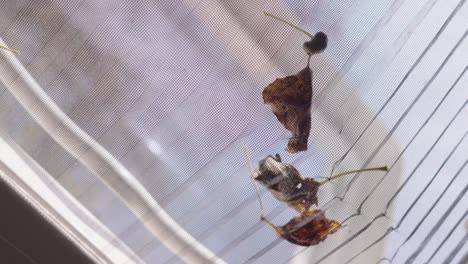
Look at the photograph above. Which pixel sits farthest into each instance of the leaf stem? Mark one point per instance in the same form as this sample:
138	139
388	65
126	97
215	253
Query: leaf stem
384	168
247	157
12	50
288	23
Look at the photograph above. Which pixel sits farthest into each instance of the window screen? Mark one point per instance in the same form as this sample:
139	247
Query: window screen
123	122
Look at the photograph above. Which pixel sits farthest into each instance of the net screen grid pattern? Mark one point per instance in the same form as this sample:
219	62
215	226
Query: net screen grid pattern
172	89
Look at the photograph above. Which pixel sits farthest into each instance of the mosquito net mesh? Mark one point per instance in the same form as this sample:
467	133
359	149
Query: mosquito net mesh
123	122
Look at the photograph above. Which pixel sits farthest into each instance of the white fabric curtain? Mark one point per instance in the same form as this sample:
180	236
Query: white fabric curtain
155	100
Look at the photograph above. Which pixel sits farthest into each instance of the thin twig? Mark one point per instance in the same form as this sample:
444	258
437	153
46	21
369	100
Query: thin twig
384	168
12	50
247	157
288	23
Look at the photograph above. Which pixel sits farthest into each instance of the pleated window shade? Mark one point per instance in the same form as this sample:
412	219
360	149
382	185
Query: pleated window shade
123	123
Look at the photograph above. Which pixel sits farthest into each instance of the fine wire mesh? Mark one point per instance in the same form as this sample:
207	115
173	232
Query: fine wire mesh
172	89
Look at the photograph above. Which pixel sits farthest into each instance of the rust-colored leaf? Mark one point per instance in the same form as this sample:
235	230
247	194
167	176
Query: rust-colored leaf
290	99
308	229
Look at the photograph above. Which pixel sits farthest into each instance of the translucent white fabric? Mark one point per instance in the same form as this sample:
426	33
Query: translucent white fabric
172	90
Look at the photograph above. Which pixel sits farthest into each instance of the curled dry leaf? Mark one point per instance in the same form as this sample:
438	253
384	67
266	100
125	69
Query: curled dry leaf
317	44
308	229
290	99
286	183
